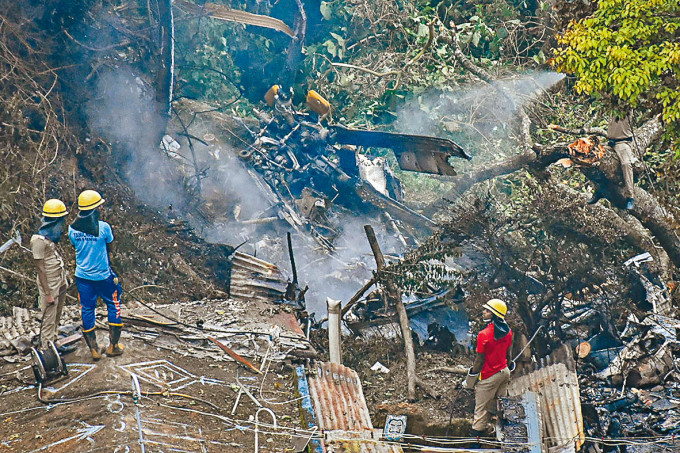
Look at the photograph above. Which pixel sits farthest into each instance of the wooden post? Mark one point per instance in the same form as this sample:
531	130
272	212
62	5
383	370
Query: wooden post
392	293
379	259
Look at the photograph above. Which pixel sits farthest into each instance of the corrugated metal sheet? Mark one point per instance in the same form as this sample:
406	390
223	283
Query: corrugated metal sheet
554	379
361	446
340	410
338	398
253	278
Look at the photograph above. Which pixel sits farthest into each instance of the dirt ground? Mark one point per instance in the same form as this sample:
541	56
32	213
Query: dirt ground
188	390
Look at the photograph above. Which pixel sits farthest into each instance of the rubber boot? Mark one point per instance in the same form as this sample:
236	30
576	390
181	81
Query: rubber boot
597	195
114	348
475	434
91	341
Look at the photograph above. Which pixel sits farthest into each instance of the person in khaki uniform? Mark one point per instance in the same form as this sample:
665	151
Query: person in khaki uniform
52	280
490	373
620	135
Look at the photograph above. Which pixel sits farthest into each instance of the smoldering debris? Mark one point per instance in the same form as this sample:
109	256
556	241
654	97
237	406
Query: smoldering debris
298	176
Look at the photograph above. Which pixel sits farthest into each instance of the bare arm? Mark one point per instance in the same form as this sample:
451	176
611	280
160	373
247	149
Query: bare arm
109	250
42	278
479	362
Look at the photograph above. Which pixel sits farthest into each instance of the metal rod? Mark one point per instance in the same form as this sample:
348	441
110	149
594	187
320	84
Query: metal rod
528	343
257	425
292	258
238	398
136	395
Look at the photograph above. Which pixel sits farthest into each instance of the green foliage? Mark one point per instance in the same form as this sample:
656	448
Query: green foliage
206	68
628	49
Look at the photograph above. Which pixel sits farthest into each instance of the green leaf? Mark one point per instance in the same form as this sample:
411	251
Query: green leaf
326	10
331	47
339	39
476	36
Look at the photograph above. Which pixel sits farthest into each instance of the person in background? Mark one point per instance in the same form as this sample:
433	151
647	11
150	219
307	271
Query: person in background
92	240
490	373
51	274
620	135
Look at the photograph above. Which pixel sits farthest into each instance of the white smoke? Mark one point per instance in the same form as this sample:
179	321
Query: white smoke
123	114
478	117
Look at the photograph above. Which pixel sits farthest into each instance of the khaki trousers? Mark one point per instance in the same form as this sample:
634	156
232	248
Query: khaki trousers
486	392
625	153
51	314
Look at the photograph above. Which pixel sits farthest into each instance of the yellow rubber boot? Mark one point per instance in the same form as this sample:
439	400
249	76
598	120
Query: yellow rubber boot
115	348
91	341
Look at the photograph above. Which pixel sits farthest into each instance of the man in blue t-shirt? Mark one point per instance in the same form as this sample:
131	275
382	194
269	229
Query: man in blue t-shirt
91	238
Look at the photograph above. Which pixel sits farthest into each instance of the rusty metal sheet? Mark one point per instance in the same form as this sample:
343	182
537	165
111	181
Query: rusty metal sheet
256	265
288	321
361	446
338	398
253	278
340	410
554	379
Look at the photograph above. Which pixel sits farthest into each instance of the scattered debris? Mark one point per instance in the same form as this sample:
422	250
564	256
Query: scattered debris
639	259
379	367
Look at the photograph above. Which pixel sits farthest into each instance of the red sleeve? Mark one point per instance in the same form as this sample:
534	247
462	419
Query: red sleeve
482	340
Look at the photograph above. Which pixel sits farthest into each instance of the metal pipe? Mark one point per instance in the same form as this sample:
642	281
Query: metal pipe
334	339
257	425
136	396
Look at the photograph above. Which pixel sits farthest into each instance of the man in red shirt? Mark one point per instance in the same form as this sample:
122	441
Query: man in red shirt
490	374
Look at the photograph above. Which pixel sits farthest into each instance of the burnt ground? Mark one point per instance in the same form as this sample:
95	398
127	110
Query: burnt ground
188	387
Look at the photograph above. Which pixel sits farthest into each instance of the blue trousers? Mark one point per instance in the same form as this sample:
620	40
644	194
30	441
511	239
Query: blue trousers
90	290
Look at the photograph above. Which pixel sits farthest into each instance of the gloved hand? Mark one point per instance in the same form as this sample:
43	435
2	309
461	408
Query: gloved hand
512	365
470	380
116	278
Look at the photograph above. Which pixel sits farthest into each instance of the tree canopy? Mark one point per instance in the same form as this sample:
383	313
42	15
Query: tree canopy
629	50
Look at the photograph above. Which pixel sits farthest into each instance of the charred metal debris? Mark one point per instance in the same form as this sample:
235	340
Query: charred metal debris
311	171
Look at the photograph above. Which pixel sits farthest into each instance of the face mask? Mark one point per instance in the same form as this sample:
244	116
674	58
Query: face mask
87	222
52	228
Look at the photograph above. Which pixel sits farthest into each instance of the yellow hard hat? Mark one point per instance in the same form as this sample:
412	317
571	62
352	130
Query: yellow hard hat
54	208
271	94
317	103
497	307
89	199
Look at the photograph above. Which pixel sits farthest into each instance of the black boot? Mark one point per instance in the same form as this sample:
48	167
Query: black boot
91	342
477	435
114	348
597	195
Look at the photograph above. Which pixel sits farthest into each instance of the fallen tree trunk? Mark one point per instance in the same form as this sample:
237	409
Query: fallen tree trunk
606	177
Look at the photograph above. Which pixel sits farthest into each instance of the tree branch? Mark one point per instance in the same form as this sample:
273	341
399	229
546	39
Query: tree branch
580	131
